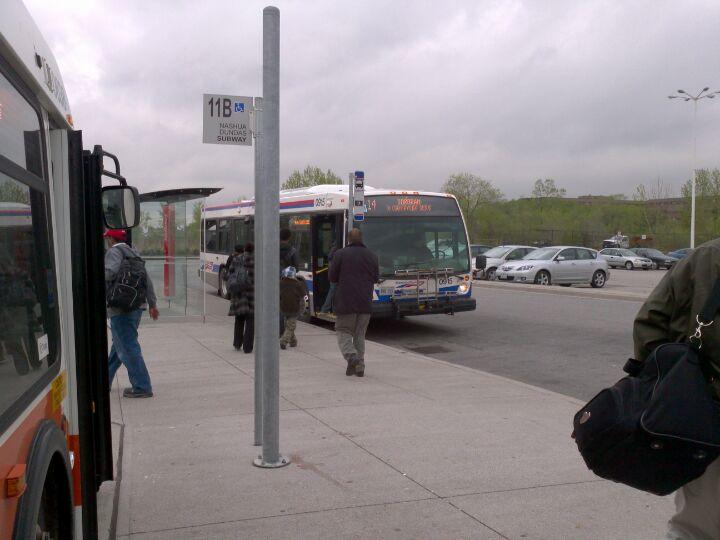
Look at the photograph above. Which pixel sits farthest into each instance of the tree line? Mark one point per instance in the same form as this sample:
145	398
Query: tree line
651	217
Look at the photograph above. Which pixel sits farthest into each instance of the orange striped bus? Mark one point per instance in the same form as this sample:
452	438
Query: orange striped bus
55	442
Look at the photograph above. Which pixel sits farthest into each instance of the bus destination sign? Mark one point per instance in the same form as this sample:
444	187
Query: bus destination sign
410	205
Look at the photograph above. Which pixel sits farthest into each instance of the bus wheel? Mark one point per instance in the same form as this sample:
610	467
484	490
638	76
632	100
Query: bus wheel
45	510
53	519
223	291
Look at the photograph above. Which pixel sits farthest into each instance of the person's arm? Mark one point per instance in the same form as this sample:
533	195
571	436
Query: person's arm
677	299
376	268
113	260
334	270
652	323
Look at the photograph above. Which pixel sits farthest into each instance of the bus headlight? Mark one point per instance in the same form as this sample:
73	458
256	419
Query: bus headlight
463	288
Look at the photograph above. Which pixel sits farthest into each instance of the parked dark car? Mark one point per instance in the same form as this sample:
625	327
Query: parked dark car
679	253
659	259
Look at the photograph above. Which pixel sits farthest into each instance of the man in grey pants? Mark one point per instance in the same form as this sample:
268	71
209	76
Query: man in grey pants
355	270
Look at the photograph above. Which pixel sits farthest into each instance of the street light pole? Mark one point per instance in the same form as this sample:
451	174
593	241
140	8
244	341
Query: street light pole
689	97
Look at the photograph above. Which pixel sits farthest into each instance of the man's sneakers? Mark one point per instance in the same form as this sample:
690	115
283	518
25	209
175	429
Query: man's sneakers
355	366
283	346
132	393
351	363
360	368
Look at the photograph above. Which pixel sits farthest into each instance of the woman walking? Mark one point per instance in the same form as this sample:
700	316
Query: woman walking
242	298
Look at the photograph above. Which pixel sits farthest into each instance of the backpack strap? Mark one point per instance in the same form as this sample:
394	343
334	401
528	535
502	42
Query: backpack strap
706	317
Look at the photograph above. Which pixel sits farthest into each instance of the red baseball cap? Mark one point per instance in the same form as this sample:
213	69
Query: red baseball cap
116	234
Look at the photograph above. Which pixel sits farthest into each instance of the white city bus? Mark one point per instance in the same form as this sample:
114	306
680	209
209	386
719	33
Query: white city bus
55	446
419	237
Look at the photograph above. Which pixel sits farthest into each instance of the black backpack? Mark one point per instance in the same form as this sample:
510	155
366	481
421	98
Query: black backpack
238	276
128	290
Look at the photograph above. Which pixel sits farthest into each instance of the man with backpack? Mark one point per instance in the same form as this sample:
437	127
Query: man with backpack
129	292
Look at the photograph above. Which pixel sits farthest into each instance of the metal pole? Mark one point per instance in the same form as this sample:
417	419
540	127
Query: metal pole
267	201
259	280
694	178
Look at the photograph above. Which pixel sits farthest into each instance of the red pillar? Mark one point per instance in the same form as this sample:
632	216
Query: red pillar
169	244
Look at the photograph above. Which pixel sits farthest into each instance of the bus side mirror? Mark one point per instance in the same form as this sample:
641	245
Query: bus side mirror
121	207
477	262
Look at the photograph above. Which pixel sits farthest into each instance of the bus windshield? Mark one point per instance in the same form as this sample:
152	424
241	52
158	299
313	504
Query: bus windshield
402	243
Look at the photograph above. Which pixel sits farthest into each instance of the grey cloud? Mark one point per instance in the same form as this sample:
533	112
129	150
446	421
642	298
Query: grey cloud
409	91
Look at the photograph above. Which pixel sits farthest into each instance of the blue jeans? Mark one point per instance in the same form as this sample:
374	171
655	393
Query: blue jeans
126	350
327	305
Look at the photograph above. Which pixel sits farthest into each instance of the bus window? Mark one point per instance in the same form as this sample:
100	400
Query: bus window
211	241
223	235
28	310
19	129
244	231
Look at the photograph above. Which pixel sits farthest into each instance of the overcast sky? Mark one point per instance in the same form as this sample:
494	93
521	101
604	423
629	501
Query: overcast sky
409	91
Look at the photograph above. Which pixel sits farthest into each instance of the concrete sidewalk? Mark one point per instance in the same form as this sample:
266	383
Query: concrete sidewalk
417	449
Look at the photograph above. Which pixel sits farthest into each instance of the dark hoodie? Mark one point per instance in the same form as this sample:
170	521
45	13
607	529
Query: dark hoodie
288	256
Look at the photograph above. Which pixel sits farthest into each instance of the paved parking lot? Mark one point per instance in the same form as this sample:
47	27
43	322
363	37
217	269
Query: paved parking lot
570	340
631	284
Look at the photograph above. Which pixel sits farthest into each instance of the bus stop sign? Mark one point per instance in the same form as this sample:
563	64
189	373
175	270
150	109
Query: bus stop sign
226	119
358	191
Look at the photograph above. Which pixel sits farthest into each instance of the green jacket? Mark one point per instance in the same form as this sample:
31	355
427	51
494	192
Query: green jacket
669	312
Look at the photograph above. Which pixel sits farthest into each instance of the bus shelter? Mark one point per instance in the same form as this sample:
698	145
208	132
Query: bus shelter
168	238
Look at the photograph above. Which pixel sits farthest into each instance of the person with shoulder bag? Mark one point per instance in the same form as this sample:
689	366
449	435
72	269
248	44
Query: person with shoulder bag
658	429
129	291
683	307
241	283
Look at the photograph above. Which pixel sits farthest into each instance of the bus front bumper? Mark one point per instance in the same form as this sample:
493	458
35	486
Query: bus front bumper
447	305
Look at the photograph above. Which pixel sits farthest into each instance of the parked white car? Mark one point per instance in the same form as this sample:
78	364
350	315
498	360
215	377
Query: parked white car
624	258
561	265
488	263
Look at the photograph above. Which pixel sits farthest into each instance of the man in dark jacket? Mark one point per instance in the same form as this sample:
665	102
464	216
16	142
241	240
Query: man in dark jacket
669	315
355	270
288	253
242	301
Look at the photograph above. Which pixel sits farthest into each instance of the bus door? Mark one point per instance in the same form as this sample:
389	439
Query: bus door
326	234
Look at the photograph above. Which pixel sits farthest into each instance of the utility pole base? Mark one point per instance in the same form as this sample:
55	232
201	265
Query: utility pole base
260	462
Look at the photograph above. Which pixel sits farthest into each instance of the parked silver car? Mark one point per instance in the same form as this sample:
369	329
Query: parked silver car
625	258
488	263
561	265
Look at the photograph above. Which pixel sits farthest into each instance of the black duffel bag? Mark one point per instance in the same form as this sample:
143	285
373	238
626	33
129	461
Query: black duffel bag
658	428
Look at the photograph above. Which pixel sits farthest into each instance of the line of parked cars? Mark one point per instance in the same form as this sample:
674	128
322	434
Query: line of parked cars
561	265
564	265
